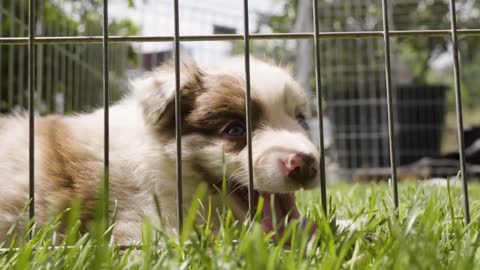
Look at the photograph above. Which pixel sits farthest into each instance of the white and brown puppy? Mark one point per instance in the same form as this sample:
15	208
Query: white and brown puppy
69	150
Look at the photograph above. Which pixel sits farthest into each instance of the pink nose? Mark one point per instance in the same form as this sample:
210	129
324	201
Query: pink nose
300	167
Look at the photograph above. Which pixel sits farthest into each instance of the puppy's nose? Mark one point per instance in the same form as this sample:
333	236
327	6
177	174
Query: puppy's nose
300	167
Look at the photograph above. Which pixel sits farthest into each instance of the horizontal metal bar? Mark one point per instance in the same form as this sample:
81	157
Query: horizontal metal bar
231	37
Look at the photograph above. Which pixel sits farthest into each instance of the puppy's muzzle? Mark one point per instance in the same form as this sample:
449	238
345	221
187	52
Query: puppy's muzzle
300	167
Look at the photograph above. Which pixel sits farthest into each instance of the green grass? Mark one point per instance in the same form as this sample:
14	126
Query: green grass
428	234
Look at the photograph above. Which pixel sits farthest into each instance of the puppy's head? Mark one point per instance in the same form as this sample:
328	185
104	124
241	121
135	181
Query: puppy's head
214	128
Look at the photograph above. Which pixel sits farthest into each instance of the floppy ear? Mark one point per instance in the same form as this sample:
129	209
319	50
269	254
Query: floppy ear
156	92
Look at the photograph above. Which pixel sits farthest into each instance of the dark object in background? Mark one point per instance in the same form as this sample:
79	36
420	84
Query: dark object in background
420	115
359	126
472	146
448	165
155	59
471	136
360	134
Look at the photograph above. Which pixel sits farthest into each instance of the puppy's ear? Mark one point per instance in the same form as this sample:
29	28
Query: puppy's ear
156	91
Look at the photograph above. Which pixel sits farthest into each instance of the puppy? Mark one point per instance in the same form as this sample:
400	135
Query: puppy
69	149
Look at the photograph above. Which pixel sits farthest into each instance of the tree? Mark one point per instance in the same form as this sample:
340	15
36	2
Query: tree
70	19
418	51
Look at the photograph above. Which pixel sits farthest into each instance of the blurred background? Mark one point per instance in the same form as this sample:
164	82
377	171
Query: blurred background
69	76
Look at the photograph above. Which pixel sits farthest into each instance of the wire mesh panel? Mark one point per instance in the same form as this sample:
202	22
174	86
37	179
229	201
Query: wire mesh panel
68	76
360	66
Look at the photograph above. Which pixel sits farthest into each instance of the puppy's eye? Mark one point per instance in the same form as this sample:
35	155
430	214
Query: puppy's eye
235	130
301	119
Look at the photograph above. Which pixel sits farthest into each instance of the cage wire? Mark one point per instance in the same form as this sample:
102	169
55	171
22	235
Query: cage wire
68	76
378	108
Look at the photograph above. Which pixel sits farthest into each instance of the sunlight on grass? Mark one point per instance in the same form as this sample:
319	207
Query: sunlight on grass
428	233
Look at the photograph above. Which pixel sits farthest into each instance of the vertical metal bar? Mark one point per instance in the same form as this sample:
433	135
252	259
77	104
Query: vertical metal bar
372	115
97	81
3	91
82	62
353	131
98	51
248	108
11	58
458	104
87	88
318	87
31	108
64	72
388	88
76	77
40	59
21	98
62	67
49	84
178	118
106	98
70	82
57	70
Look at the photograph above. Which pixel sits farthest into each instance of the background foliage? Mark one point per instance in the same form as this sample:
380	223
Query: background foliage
71	18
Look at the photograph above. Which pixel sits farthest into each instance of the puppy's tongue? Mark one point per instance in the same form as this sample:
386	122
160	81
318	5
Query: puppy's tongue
283	209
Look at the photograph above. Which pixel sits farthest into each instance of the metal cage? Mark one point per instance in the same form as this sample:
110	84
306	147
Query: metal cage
317	36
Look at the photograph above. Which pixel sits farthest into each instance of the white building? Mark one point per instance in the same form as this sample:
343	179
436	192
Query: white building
205	17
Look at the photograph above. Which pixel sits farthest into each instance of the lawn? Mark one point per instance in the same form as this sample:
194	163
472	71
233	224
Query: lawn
428	233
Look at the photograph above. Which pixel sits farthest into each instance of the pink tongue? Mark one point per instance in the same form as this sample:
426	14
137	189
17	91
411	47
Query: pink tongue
283	204
267	218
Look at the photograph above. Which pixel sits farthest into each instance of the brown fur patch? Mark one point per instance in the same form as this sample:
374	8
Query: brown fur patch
221	104
209	104
192	86
70	171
